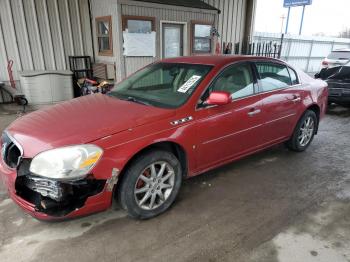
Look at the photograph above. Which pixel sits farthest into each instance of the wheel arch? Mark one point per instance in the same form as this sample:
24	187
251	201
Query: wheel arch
315	108
173	147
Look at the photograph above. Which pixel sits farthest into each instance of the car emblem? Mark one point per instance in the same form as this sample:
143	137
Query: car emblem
180	121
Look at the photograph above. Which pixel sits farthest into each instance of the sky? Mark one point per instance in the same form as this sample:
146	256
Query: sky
324	16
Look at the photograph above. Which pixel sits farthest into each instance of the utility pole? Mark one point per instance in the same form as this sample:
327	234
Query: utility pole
287	20
282	18
302	20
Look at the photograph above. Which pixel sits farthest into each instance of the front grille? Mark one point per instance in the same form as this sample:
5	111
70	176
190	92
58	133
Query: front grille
10	152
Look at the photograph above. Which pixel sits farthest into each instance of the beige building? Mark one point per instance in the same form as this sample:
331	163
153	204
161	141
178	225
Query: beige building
119	35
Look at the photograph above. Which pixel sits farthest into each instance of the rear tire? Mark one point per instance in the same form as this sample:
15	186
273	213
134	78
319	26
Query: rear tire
150	184
304	132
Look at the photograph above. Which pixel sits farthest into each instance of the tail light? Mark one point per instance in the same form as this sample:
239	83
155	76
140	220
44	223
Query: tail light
324	63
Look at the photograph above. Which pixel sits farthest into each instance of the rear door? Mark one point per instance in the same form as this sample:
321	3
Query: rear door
227	131
281	100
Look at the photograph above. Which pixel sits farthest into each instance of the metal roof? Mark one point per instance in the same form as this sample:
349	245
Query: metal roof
185	3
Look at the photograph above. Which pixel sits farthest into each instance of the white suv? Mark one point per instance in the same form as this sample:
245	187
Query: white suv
336	58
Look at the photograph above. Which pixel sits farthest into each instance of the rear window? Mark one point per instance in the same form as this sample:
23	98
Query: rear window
273	76
339	55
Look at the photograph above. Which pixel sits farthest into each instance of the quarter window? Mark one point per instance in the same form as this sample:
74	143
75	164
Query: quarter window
237	80
293	76
273	76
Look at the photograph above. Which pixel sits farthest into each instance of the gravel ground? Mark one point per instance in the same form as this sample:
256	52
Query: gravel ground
274	206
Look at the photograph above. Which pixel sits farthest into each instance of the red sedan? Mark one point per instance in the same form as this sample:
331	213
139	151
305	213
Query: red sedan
171	120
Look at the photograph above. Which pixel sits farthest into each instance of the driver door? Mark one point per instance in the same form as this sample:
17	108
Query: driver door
228	131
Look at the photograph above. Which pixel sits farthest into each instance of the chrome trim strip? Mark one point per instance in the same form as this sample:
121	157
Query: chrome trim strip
277	119
232	134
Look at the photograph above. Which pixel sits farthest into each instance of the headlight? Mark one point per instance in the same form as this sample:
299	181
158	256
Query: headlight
64	163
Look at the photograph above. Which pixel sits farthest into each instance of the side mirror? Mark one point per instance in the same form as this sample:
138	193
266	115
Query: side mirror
218	98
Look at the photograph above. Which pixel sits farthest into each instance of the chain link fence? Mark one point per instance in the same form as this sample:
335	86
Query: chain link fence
303	52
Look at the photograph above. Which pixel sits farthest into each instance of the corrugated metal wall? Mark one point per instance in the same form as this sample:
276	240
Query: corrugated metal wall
232	19
107	8
162	13
232	24
41	34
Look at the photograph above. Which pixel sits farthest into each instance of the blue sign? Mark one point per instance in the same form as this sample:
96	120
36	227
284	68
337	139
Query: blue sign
290	3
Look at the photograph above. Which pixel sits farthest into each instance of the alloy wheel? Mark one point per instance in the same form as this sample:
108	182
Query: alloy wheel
306	131
154	185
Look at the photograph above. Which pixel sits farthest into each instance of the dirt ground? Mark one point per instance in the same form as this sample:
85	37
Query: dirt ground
274	206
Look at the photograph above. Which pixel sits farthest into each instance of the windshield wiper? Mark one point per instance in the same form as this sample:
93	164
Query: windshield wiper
133	99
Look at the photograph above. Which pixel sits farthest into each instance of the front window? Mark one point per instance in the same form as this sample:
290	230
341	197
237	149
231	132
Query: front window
201	38
138	24
139	36
167	85
236	80
104	35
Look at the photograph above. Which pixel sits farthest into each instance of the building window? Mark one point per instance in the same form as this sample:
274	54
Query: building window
139	36
104	35
138	24
201	37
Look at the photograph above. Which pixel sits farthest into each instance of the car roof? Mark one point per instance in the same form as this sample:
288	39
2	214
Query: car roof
215	60
342	50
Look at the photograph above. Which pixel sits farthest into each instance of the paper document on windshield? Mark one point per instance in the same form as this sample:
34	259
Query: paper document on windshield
189	83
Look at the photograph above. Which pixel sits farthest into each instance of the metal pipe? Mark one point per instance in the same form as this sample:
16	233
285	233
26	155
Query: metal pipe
302	20
91	31
287	23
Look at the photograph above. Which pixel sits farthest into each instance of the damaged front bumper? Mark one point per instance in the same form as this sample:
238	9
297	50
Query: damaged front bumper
49	199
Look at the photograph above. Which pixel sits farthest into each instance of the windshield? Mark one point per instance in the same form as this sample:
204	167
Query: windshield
167	85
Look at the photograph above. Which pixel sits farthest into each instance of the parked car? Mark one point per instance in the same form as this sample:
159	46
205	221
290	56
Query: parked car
337	57
338	80
171	120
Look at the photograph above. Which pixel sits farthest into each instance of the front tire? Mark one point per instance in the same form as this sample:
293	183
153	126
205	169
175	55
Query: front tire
150	184
304	132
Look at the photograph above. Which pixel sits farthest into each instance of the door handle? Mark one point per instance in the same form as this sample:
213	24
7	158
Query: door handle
296	98
253	112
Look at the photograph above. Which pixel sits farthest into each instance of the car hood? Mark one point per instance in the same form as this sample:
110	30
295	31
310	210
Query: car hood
81	120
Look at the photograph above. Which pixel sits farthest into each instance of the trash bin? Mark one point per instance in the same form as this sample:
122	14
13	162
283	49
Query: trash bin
47	87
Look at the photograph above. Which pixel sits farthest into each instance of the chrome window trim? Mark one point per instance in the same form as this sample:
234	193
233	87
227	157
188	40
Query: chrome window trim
279	89
295	72
257	89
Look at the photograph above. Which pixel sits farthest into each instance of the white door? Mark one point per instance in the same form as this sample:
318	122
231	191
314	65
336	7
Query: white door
172	40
